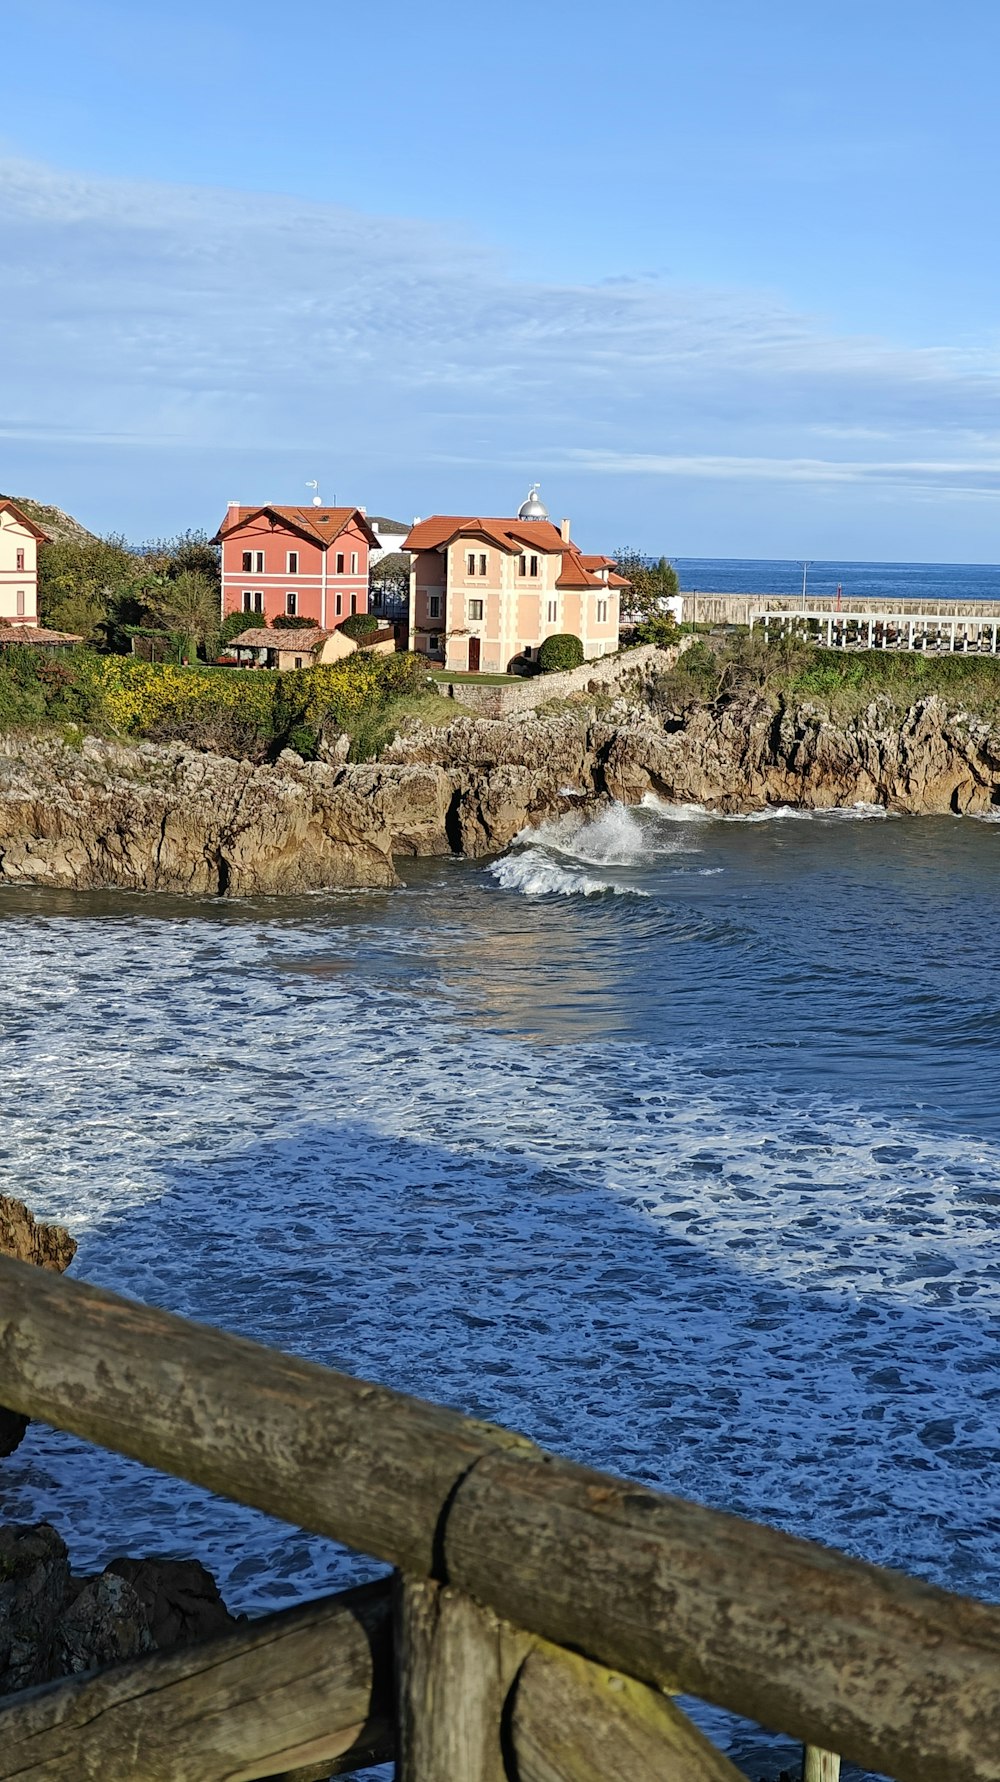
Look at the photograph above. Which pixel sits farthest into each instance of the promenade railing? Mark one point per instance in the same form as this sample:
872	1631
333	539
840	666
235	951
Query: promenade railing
541	1617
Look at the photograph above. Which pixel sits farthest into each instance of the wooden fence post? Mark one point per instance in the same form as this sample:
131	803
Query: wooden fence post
455	1663
820	1766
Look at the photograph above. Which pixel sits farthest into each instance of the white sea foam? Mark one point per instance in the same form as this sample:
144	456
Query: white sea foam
534	873
698	813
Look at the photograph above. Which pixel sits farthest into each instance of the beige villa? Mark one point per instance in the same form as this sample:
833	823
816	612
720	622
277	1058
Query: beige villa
19	542
484	592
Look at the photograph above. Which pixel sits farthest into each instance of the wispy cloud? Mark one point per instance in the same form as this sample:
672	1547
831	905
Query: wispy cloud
201	318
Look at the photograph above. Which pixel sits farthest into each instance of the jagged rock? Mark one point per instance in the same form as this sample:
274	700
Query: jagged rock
105	1623
34	1588
26	1239
54	1625
179	1598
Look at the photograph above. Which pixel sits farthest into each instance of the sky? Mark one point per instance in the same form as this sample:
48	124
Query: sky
722	278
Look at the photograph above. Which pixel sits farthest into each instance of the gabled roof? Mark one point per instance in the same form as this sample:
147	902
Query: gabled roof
323	525
38	635
11	507
511	535
263	637
386	525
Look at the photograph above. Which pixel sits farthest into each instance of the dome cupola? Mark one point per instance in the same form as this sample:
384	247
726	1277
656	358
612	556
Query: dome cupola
533	509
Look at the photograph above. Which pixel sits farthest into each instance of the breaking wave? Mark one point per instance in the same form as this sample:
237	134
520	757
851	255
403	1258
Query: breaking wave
533	873
699	813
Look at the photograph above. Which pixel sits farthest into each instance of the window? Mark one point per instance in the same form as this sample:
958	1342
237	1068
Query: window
470	563
475	609
553	611
526	652
534	566
602	612
354	562
258	601
20	560
482	563
253	563
340	562
253	600
293	568
434	606
20	603
340	604
291	602
247	562
298	661
434	641
354	604
522	566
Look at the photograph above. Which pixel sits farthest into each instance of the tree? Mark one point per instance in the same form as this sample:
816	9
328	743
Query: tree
653	584
188	604
91	586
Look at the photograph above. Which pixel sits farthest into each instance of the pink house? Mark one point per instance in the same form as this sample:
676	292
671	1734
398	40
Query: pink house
19	542
307	562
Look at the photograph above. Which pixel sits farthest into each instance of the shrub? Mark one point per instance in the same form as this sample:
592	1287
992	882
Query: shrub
292	622
360	625
561	651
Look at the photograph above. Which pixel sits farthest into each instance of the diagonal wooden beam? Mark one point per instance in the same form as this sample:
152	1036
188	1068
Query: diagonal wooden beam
311	1686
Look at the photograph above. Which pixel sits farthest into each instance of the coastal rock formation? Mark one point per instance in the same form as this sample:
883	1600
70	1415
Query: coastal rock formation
26	1239
928	760
53	1624
166	818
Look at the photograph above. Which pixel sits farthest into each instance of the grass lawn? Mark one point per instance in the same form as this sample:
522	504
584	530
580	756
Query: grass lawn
433	709
478	680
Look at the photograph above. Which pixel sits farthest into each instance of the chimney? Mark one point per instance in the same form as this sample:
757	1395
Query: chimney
363	510
564	531
234	504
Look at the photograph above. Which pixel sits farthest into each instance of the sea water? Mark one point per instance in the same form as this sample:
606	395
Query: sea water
893	582
672	1141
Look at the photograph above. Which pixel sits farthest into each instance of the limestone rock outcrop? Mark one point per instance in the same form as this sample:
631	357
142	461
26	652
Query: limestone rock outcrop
166	818
928	760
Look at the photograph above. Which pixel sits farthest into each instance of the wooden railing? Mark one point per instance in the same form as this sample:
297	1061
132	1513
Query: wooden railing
541	1617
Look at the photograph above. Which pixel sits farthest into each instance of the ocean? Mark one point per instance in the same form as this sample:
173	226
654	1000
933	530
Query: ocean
887	581
673	1141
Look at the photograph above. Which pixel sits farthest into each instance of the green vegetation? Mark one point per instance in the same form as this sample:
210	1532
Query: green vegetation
560	652
789	670
652	584
360	625
245	713
101	589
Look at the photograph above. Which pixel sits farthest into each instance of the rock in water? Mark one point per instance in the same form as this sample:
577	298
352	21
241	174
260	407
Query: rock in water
54	1625
24	1238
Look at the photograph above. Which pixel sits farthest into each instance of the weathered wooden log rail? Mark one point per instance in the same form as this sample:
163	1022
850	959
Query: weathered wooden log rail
542	1615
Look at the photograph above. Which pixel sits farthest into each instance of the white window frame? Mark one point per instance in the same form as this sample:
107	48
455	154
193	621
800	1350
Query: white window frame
433	606
292	563
247	560
340	561
475	616
533	566
553	612
291	603
354	604
602	612
19	560
354	562
340	606
19	600
470	563
482	562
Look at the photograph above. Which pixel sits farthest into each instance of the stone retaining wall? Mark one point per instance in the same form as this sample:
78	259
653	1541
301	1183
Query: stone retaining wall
602	675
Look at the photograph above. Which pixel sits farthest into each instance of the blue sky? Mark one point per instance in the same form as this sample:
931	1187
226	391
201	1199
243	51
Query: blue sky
723	278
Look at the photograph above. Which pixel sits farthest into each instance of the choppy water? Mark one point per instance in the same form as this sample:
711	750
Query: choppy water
670	1140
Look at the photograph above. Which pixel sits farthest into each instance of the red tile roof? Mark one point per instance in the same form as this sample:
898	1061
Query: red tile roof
510	535
38	635
516	536
264	637
322	524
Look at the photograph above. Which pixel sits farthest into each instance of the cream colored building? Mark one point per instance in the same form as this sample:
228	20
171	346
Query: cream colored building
484	591
19	542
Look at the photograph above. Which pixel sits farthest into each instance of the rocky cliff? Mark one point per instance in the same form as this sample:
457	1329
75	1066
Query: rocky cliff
166	818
